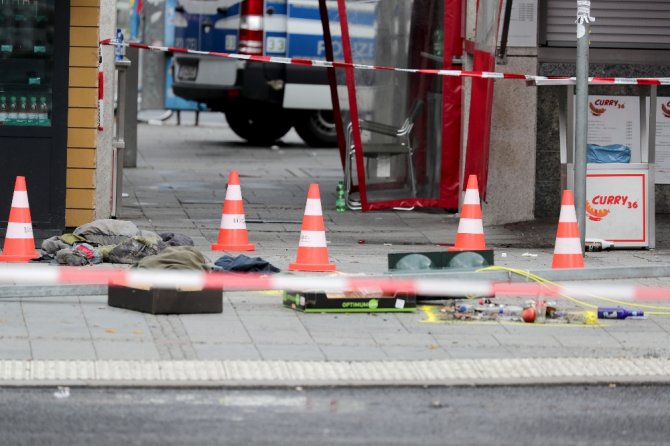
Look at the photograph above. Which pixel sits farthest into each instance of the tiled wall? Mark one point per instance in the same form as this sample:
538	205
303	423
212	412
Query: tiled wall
82	112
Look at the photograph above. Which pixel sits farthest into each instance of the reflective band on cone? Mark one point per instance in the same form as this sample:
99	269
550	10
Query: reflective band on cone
233	230
470	234
19	244
568	248
312	248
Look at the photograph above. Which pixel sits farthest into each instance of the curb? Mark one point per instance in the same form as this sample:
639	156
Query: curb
229	373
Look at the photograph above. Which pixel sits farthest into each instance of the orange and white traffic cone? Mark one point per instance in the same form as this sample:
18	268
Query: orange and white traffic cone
470	235
233	230
19	242
312	249
568	249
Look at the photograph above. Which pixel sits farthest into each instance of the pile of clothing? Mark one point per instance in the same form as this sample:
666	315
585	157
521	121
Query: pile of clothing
113	241
120	241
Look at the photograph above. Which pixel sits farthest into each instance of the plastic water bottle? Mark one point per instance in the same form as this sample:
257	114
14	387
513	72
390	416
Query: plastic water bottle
510	311
119	51
618	313
541	312
465	308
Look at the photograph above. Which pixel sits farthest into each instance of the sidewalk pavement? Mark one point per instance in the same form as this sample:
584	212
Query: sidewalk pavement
179	186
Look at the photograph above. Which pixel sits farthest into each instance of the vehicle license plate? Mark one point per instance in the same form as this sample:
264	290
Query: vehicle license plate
188	72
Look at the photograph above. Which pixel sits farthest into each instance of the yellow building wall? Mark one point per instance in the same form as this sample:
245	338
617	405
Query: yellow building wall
82	112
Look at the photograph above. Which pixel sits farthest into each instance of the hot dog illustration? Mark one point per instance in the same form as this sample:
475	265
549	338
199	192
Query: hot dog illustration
596	111
665	110
595	214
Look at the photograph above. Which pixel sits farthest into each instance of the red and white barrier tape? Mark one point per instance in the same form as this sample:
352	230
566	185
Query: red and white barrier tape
543	80
35	274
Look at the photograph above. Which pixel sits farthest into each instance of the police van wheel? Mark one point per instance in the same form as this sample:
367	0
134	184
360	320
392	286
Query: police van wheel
259	127
316	128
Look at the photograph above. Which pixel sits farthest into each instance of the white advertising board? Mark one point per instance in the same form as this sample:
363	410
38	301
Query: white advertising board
615	120
616	206
662	167
522	24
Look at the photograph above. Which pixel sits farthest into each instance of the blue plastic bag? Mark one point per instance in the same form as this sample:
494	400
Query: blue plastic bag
613	153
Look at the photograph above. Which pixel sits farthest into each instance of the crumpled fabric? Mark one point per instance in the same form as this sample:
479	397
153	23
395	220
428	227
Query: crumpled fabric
79	255
131	250
245	264
177	257
54	244
107	231
174	239
71	239
105	250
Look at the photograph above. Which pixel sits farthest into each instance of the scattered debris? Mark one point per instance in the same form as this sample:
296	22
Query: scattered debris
528	254
62	392
537	311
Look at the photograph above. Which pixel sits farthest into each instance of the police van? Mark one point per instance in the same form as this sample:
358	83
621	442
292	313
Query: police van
261	101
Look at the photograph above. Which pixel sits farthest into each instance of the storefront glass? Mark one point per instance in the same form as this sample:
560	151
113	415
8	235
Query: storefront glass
394	147
27	58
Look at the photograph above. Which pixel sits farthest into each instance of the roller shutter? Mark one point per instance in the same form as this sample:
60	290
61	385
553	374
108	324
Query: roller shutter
619	23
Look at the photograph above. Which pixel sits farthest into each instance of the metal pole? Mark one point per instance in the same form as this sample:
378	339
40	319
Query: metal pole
119	143
130	124
581	112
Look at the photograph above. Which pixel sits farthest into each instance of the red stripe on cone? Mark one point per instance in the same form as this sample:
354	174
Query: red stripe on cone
233	229
19	249
568	248
312	249
470	234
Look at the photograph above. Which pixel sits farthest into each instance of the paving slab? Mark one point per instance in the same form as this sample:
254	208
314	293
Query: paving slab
72	349
125	350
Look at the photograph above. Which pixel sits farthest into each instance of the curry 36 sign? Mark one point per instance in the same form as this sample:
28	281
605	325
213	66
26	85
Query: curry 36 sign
615	120
616	206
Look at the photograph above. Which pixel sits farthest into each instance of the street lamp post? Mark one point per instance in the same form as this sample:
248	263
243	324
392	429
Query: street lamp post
581	112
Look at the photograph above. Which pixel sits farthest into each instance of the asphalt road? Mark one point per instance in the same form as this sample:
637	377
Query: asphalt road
555	415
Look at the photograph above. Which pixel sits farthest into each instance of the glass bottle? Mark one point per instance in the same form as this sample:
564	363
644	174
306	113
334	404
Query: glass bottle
6	40
3	109
438	42
19	13
340	204
43	112
22	118
32	111
12	115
